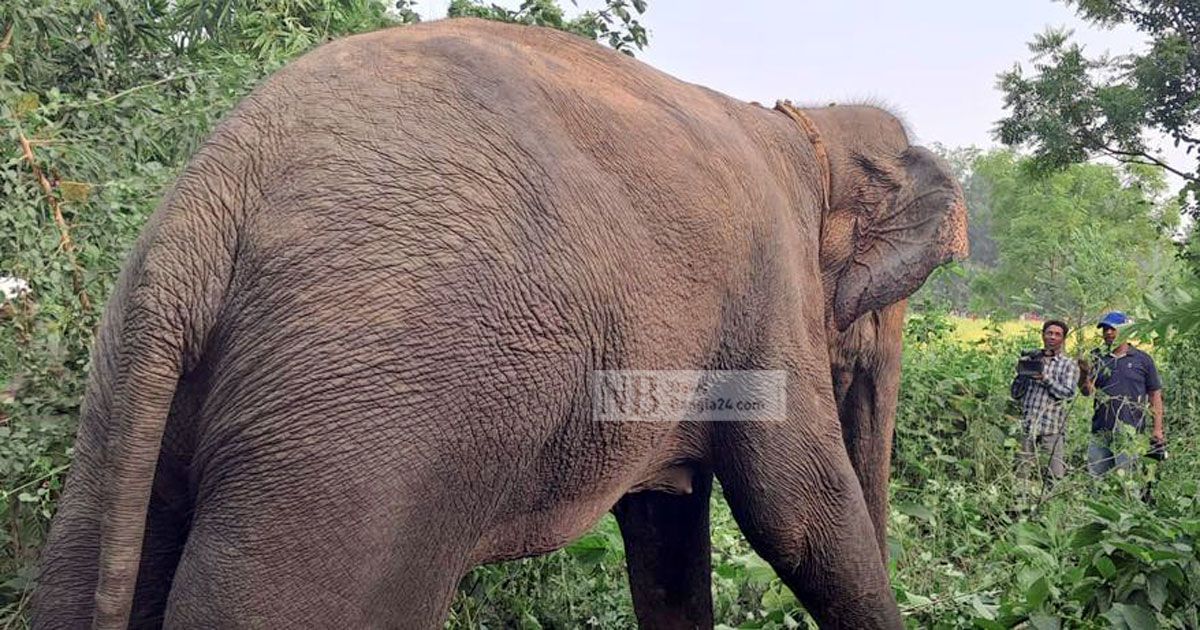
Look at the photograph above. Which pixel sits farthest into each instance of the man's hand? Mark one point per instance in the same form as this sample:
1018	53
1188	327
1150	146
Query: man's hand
1085	366
1158	448
1157	434
1037	377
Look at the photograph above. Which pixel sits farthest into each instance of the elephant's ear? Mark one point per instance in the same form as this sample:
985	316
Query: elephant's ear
906	218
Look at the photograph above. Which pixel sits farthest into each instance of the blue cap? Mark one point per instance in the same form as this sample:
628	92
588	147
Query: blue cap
1114	319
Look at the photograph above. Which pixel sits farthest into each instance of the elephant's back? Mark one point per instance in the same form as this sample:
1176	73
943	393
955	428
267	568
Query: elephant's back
451	227
466	171
473	121
439	154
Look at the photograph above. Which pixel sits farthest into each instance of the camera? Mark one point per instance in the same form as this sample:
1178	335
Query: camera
1030	363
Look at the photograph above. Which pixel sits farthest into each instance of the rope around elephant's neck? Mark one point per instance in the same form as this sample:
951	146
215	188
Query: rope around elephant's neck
814	137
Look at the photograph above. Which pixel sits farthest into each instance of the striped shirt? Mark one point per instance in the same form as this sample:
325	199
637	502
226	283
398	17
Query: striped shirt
1045	404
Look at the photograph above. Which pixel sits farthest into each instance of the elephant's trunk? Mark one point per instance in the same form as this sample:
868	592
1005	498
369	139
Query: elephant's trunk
865	363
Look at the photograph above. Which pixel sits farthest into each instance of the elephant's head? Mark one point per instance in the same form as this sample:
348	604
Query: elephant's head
895	211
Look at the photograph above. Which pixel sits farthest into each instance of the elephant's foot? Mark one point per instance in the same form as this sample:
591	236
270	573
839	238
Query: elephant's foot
667	550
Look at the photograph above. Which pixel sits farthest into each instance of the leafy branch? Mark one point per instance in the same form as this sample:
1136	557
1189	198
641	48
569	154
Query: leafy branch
1072	108
65	243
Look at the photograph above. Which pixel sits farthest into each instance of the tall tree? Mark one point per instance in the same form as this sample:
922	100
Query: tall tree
278	29
950	286
1074	242
615	24
1072	107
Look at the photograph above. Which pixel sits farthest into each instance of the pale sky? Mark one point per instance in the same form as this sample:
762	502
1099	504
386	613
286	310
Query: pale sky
934	62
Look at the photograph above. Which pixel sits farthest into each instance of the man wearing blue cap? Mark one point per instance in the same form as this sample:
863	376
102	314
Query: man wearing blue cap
1128	380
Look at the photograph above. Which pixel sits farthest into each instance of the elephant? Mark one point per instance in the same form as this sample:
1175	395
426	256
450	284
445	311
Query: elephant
351	354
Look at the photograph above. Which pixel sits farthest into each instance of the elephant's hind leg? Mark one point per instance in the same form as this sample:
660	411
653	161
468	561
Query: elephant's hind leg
667	550
166	534
323	569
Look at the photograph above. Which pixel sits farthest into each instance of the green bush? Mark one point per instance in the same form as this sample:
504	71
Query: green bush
974	544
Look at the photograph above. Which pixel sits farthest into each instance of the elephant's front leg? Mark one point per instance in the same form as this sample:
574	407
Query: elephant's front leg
795	496
667	551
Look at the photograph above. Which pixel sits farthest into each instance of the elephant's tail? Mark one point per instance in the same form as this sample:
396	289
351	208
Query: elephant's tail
154	332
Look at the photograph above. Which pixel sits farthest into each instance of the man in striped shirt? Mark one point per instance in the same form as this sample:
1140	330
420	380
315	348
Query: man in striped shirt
1045	401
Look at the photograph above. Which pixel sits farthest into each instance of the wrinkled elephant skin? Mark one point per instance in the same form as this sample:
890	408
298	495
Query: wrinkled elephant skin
348	358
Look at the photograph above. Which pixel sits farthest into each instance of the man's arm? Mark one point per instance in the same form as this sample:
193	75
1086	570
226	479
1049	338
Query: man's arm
1019	387
1154	387
1087	380
1062	381
1156	407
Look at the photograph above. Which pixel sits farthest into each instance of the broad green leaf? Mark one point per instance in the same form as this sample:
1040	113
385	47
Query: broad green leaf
1157	589
1087	535
1028	532
1109	514
918	600
1115	619
1175	574
1137	551
1037	593
916	510
1027	576
529	622
728	570
1074	576
1083	591
1162	554
1044	622
590	549
1105	566
983	610
1136	617
757	569
778	597
1045	558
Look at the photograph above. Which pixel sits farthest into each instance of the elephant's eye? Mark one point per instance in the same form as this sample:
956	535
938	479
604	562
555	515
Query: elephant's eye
876	187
